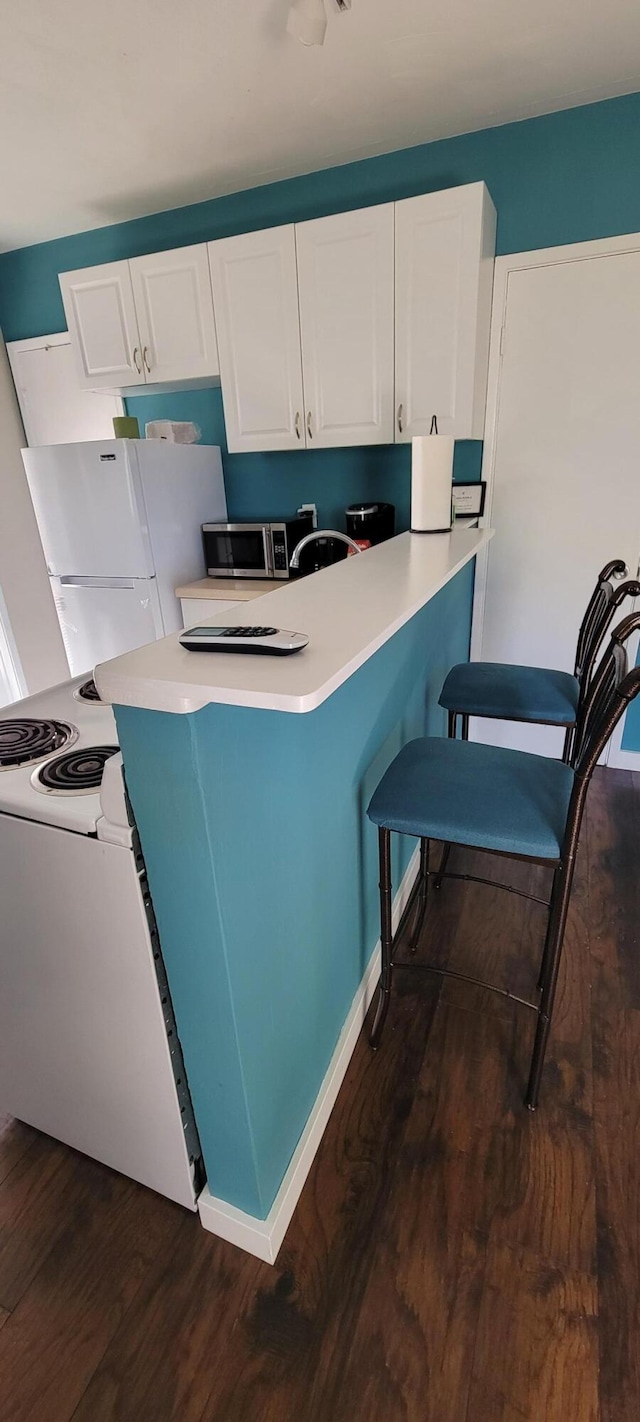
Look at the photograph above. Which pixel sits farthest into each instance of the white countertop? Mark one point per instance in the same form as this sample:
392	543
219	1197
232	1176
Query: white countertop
348	611
231	589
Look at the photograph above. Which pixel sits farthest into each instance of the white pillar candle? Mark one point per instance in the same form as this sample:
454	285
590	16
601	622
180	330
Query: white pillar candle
431	480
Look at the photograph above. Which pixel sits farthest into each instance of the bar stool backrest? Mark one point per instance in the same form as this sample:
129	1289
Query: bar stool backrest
605	600
613	687
611	691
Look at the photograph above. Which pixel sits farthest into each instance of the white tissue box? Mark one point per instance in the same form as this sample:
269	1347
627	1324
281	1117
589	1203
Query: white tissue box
175	431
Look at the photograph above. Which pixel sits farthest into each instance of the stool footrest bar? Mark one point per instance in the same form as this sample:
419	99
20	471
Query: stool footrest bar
491	884
465	978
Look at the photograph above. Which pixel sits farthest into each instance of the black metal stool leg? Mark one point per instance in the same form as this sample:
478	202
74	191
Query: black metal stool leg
386	943
423	875
550	969
544	962
568	745
452	731
446	850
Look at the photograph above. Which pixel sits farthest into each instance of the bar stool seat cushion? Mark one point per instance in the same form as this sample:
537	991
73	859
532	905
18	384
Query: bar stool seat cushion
466	793
512	693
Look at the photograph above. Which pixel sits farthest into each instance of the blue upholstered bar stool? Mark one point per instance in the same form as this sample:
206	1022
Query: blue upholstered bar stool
540	695
506	802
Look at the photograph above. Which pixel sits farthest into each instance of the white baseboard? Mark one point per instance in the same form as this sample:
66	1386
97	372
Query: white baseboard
264	1237
624	760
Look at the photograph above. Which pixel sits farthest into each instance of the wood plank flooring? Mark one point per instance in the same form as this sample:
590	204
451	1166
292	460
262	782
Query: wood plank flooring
452	1259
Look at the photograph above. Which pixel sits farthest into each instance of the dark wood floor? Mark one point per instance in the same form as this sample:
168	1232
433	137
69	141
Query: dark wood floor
452	1259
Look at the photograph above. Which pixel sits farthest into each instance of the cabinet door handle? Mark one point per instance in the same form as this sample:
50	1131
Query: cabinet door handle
400	408
296	425
145	359
135	360
309	429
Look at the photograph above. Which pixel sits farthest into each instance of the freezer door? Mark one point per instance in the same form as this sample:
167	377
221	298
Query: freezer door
90	509
100	619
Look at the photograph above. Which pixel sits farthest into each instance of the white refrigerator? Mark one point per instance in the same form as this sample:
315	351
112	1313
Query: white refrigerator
120	522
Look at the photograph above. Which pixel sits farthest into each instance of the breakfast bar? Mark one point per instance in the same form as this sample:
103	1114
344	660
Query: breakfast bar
249	779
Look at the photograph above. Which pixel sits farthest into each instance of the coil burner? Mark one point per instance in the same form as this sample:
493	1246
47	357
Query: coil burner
79	772
27	739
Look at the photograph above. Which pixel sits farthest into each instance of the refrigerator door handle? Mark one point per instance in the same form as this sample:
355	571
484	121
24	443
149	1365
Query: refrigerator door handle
73	582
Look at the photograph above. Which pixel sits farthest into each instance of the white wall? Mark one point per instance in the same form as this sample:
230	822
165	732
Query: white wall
23	575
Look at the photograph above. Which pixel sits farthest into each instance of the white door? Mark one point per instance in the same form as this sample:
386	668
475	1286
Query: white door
90	510
445	245
104	619
563	441
174	307
255	297
54	409
101	318
345	278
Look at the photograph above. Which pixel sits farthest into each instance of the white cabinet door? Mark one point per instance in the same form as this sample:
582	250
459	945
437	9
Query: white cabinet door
101	318
255	297
174	307
53	407
445	245
345	276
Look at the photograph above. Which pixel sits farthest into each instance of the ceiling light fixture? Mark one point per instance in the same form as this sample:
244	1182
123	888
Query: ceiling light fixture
307	21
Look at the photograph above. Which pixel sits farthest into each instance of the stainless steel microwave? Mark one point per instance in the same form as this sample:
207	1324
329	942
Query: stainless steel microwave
253	550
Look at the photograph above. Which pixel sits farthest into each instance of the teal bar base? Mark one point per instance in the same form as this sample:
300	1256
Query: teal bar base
263	871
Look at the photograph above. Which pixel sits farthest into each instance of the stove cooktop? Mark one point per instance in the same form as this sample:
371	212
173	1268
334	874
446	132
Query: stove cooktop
77	724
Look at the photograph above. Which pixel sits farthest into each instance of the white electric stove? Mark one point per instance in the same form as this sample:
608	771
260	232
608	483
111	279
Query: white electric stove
89	1050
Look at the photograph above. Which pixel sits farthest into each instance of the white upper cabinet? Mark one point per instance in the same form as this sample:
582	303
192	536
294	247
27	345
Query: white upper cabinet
345	279
353	329
174	307
101	319
255	296
445	245
144	322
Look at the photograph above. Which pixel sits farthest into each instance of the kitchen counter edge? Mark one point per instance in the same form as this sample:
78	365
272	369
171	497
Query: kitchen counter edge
406	573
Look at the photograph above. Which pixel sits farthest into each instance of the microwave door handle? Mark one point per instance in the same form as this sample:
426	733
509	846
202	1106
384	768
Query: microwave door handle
267	539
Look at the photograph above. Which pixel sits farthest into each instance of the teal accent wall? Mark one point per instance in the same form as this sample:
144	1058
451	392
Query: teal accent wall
564	177
263	871
273	485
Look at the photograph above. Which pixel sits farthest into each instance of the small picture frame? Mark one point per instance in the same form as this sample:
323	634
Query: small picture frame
468	499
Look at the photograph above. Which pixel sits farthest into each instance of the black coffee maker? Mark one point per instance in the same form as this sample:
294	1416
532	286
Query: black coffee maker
372	521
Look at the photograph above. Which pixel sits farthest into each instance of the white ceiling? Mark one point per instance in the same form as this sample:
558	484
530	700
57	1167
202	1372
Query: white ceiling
110	109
